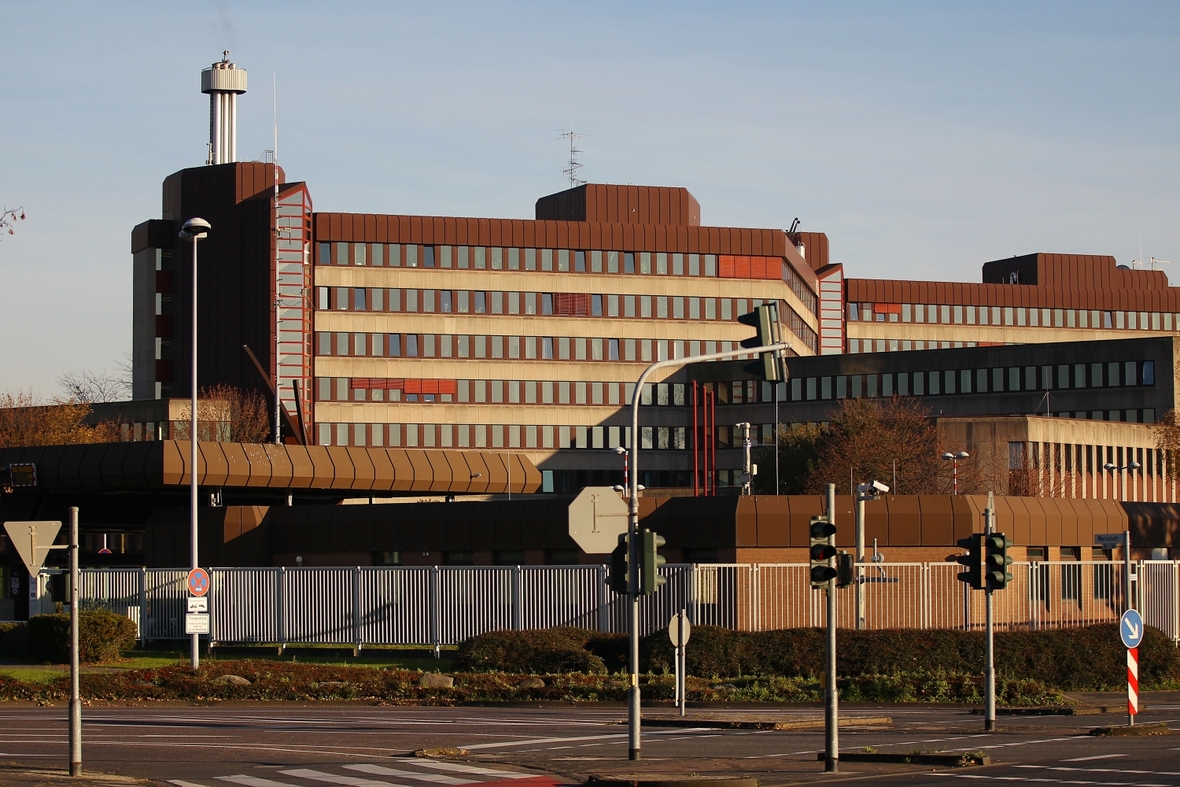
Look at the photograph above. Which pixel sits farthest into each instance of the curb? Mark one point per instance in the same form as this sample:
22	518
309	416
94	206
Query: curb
1131	732
669	780
750	724
947	760
1054	710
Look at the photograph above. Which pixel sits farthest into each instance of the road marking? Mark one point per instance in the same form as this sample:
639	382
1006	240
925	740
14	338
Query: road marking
531	741
183	783
320	776
381	770
1042	780
254	781
1095	757
458	768
1136	771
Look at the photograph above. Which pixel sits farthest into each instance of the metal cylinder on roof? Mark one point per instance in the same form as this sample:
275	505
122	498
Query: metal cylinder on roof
223	81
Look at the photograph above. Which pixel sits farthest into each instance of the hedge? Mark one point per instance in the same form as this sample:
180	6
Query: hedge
1086	658
102	635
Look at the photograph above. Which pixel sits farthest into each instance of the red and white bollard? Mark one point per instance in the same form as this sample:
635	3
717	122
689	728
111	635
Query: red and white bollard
1132	684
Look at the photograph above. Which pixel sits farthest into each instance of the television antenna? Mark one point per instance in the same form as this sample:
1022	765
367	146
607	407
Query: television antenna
574	165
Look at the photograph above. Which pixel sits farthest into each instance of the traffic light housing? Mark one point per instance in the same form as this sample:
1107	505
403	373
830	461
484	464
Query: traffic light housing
844	569
996	561
973	560
650	562
764	320
620	574
822	551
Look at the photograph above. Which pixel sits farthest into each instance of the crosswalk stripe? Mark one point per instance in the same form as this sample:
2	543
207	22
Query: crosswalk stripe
254	781
381	770
458	768
183	783
349	781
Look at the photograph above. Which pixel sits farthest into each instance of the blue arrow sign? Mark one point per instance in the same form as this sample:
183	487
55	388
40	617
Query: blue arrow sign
1131	628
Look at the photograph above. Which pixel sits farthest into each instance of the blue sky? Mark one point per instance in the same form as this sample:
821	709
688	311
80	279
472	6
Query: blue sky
924	138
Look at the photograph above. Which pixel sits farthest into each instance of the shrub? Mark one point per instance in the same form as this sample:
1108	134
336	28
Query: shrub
543	652
1090	657
102	634
14	641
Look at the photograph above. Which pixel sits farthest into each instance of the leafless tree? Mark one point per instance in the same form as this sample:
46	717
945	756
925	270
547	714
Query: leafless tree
9	217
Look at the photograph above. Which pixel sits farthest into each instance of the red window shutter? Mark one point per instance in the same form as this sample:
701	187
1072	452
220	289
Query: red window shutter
725	266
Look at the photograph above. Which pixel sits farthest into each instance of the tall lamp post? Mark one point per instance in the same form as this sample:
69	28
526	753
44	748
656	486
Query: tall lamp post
1121	470
954	460
195	229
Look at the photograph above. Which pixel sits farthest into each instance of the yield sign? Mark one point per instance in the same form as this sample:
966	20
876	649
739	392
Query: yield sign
32	540
598	516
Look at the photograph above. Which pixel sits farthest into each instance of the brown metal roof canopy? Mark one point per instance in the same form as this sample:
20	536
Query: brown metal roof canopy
164	463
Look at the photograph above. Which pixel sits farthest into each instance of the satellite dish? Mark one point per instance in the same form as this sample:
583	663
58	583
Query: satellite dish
1123	267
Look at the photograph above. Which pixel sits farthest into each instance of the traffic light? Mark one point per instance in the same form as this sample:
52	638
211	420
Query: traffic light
764	320
997	561
650	562
620	574
973	560
822	551
844	564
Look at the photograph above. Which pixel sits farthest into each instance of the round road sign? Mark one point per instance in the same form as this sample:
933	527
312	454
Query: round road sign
1131	628
679	629
198	582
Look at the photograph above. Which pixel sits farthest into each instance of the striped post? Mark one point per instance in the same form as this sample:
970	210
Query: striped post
1132	683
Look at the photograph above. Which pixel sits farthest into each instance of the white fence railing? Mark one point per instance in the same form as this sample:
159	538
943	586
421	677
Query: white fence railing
443	605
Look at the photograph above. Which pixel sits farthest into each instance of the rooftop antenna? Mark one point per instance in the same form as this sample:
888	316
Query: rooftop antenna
1157	261
574	165
223	81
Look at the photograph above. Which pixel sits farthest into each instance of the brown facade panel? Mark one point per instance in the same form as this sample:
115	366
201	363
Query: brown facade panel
342	472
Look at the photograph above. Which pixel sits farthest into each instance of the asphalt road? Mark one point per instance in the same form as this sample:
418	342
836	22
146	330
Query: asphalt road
270	745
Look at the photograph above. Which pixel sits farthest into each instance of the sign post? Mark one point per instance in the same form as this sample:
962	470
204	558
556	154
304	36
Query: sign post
989	668
831	715
196	619
1131	633
678	631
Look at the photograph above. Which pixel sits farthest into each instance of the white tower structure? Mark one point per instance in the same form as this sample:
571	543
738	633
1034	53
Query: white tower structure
223	81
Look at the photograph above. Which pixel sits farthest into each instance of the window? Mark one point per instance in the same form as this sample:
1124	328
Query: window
1148	373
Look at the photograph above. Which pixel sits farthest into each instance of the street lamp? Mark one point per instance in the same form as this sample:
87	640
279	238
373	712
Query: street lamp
954	460
621	451
1132	466
195	229
867	491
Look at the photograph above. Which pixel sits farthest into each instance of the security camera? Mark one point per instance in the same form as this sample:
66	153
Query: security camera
880	488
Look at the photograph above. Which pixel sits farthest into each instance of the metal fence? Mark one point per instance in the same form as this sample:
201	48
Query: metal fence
443	605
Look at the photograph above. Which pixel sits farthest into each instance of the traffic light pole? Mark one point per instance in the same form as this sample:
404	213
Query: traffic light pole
633	715
831	718
989	670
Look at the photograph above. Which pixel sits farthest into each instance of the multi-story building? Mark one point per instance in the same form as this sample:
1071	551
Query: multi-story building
1022	300
526	335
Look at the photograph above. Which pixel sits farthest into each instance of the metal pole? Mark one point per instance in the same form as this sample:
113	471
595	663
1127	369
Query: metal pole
747	468
682	671
633	716
831	719
989	670
75	688
777	490
696	442
860	559
955	472
1127	569
196	639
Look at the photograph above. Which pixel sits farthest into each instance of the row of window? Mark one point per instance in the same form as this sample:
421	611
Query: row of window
895	345
527	437
947	314
409	255
965	381
561	392
543	348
